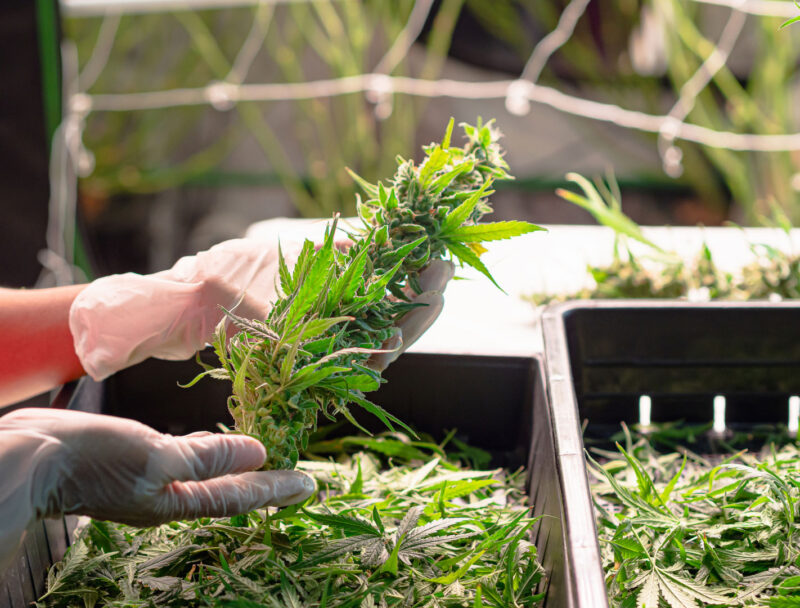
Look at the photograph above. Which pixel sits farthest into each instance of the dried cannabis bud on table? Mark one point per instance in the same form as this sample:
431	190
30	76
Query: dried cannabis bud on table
310	354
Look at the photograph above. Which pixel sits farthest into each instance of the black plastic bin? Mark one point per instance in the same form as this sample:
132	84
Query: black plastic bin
496	403
25	578
601	356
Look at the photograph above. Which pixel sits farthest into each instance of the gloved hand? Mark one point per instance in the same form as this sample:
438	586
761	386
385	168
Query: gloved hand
413	324
62	461
120	320
433	281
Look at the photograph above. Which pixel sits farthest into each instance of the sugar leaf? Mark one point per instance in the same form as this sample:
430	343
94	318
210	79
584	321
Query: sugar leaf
467	256
493	231
649	593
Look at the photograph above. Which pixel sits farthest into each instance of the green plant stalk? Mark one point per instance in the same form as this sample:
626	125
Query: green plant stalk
321	145
356	111
310	355
208	47
437	45
761	109
779	59
793	19
154	135
196	165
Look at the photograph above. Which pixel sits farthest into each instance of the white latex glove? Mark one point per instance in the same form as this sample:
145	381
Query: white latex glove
123	319
57	462
413	324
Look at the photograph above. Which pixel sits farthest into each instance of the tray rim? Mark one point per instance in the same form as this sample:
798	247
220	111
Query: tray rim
563	308
583	549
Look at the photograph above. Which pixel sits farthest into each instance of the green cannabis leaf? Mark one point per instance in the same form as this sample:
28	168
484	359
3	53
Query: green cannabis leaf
310	355
685	531
603	202
408	541
385	545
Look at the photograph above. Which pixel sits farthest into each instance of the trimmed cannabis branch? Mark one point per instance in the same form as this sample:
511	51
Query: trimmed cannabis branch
310	355
384	529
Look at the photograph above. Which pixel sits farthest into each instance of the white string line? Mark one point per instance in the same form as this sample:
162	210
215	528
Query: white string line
406	37
762	8
691	89
715	61
378	83
554	40
67	144
100	53
577	106
58	255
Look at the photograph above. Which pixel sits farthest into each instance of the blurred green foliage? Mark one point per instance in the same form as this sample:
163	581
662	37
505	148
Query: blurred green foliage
153	150
760	101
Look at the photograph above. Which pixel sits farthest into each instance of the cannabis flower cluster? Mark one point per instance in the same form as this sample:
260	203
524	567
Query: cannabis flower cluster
310	355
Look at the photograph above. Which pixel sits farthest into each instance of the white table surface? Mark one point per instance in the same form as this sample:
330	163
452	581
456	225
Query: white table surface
478	318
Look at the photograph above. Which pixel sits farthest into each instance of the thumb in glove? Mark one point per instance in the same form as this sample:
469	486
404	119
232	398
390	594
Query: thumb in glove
415	322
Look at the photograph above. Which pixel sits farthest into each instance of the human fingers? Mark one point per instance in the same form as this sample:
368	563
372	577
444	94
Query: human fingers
391	349
342	243
409	328
417	320
197	457
226	496
436	275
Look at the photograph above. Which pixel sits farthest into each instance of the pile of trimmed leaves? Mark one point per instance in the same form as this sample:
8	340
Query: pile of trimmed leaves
311	354
681	530
774	274
396	524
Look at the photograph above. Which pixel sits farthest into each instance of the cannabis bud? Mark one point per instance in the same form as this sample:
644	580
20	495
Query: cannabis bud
310	354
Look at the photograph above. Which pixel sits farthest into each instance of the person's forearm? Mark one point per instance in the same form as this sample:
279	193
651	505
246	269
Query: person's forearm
38	352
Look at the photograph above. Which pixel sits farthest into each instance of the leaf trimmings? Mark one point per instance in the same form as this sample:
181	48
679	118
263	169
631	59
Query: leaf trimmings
677	531
345	547
407	542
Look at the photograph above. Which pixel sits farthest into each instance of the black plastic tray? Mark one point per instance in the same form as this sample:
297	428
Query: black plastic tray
601	356
496	403
25	578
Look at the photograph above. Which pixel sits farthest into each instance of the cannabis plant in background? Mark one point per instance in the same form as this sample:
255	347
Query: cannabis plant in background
774	274
682	530
420	531
163	149
310	355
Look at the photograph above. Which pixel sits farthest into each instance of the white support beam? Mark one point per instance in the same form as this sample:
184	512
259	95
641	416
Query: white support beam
98	8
